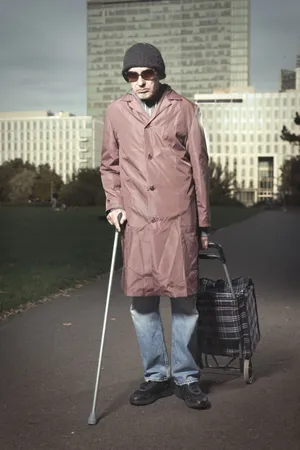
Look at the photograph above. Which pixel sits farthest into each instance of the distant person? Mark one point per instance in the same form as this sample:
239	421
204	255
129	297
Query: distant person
54	200
155	172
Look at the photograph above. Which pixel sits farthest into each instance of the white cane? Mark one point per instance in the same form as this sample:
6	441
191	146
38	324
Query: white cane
92	418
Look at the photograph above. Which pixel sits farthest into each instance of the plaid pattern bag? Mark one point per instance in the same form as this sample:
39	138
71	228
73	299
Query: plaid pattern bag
226	323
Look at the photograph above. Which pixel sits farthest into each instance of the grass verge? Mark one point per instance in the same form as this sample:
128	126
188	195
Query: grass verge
43	252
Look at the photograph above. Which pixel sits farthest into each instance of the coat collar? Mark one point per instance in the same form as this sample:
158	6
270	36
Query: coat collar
166	100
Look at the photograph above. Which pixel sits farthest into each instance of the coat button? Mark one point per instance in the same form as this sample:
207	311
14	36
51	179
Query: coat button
152	188
153	220
150	156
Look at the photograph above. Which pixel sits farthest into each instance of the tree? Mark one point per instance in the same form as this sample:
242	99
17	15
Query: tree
293	138
46	183
7	171
290	171
222	183
21	185
290	180
85	189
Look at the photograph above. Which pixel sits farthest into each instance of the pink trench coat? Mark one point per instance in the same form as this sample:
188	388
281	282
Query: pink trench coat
156	169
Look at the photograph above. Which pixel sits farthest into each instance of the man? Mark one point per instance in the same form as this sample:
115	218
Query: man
154	171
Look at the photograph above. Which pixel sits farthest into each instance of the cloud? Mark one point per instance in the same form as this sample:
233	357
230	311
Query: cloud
275	41
43	51
43	59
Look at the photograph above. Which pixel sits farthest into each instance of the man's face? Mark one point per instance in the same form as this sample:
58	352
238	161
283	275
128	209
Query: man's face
147	88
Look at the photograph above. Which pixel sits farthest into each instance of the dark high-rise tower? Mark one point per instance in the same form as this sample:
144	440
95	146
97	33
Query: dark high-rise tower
205	44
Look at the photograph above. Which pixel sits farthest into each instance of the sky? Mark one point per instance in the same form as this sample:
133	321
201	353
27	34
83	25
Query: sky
43	51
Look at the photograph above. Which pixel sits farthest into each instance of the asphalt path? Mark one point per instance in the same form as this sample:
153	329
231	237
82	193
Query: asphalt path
48	362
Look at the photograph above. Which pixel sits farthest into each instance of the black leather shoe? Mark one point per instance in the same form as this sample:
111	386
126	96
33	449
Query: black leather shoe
192	396
150	391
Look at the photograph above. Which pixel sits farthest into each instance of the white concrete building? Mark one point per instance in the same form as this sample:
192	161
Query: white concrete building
205	44
243	131
65	141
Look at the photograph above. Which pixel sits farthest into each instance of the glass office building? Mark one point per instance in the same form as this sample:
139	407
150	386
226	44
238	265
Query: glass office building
243	134
205	44
66	142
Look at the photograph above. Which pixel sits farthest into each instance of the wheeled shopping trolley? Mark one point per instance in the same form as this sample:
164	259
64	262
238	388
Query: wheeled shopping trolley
228	323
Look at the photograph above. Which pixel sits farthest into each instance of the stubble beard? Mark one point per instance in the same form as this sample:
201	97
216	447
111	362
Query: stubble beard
146	96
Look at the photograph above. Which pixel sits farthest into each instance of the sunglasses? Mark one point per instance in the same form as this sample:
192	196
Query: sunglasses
148	74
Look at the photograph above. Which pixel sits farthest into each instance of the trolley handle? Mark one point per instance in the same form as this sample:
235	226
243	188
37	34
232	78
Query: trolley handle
218	255
221	257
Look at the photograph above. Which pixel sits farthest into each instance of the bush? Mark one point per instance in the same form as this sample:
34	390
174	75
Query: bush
77	193
85	189
228	201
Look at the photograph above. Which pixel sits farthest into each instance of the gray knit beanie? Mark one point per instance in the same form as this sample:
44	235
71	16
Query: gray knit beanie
144	55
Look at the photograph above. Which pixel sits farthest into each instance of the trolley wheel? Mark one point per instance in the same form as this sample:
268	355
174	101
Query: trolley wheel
248	371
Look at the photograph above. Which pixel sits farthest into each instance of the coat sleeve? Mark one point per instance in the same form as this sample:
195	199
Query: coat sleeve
196	146
109	168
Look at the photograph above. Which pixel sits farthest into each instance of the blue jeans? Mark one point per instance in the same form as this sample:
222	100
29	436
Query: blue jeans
148	325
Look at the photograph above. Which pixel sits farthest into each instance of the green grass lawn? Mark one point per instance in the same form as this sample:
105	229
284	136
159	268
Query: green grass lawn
43	251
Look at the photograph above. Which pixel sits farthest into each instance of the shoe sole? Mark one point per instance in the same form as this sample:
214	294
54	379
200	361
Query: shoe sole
166	393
